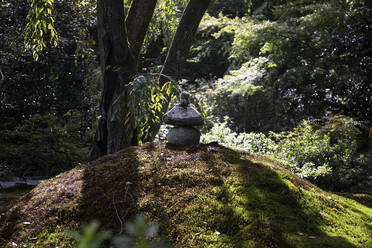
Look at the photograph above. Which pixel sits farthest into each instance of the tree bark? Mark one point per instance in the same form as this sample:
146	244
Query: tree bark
137	23
116	125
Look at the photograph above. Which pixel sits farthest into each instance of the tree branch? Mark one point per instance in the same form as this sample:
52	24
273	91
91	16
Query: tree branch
2	78
137	23
183	38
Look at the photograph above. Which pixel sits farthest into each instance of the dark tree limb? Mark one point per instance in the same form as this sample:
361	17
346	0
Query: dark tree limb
2	77
137	23
183	38
115	129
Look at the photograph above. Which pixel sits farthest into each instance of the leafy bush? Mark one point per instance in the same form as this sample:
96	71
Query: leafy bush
90	237
309	152
305	151
244	81
148	97
251	142
140	234
250	105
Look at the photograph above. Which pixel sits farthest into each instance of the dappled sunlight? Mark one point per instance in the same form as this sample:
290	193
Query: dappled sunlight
204	195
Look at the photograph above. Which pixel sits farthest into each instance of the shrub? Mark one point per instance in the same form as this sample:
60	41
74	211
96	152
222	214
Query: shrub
305	151
251	142
140	234
334	163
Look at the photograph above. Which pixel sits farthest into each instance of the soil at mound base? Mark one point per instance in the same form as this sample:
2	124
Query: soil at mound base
202	196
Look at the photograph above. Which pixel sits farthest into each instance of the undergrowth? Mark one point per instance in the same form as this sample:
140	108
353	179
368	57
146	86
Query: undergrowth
328	155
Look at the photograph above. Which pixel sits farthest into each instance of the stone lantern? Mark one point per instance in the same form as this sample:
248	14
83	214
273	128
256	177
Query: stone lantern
185	119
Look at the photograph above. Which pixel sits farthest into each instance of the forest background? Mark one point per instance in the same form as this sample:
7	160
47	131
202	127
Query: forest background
289	79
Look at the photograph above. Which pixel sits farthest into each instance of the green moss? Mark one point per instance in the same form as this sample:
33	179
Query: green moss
55	238
203	197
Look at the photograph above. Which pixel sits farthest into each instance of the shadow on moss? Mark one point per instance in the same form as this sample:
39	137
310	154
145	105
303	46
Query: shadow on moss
256	207
202	196
110	190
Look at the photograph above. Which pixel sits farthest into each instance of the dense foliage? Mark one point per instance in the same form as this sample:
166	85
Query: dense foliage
327	153
267	65
286	62
308	59
41	100
42	145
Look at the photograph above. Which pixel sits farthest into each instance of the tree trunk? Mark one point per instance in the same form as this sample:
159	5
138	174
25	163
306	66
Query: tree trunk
179	49
137	23
183	38
116	125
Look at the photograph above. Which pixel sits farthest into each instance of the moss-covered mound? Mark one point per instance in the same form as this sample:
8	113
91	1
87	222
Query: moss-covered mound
203	196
